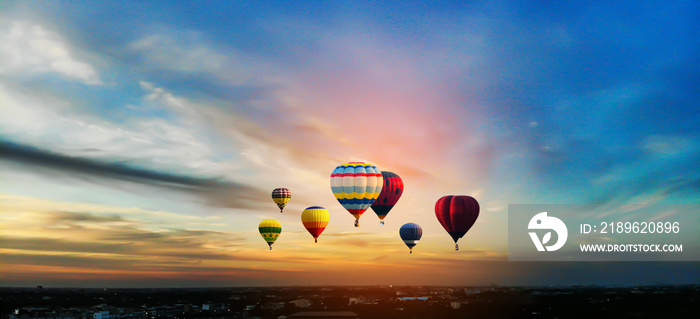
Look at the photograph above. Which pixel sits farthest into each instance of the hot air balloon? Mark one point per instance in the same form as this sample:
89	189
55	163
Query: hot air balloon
390	194
281	196
411	234
356	185
315	219
457	214
270	229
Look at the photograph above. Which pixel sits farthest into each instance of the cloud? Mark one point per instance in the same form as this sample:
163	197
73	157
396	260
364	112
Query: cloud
192	55
28	211
669	145
64	216
649	188
55	245
217	192
166	141
292	104
380	258
99	267
348	234
165	51
465	256
136	243
88	238
31	48
669	167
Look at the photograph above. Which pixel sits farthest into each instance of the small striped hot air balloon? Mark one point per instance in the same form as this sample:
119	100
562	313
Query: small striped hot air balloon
315	220
410	234
270	230
457	214
390	194
356	185
281	196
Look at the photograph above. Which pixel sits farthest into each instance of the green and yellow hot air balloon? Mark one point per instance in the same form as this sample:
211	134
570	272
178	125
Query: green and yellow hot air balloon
270	229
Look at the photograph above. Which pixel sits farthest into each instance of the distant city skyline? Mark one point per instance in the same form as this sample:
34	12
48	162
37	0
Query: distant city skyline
350	302
140	142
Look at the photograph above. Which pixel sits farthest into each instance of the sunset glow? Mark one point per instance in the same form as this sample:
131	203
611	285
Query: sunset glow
140	142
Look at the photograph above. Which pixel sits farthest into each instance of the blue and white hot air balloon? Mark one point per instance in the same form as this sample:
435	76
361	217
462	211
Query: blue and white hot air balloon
411	234
356	185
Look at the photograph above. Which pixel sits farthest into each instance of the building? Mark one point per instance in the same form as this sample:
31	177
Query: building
325	315
301	303
101	315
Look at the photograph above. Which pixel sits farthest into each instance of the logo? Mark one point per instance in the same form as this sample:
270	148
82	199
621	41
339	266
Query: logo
542	221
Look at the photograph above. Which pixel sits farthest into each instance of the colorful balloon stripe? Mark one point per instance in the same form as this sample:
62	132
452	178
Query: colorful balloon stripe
356	185
315	220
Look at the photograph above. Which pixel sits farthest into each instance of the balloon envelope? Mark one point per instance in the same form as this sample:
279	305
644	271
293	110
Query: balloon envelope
356	185
410	234
315	220
390	194
281	196
270	230
457	214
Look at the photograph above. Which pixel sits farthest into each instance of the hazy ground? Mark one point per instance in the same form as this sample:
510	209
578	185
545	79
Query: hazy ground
367	302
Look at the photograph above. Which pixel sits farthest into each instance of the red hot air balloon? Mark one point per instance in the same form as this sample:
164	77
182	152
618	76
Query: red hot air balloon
457	214
390	194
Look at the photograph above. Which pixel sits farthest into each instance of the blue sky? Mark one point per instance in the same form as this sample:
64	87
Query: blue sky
155	121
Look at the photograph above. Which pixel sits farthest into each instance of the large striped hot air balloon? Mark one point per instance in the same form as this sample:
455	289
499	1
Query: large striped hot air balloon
315	220
457	214
356	185
281	196
411	234
270	230
390	194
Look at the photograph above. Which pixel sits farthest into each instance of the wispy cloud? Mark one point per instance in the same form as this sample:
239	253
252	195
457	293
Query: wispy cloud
64	216
218	192
191	52
669	145
31	48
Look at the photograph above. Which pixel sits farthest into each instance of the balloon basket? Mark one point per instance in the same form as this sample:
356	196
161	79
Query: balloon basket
381	222
456	247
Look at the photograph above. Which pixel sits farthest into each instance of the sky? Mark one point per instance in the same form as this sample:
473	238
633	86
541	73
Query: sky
140	142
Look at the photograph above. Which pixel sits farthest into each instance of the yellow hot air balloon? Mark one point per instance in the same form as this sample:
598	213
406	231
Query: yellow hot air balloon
356	185
270	230
315	219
